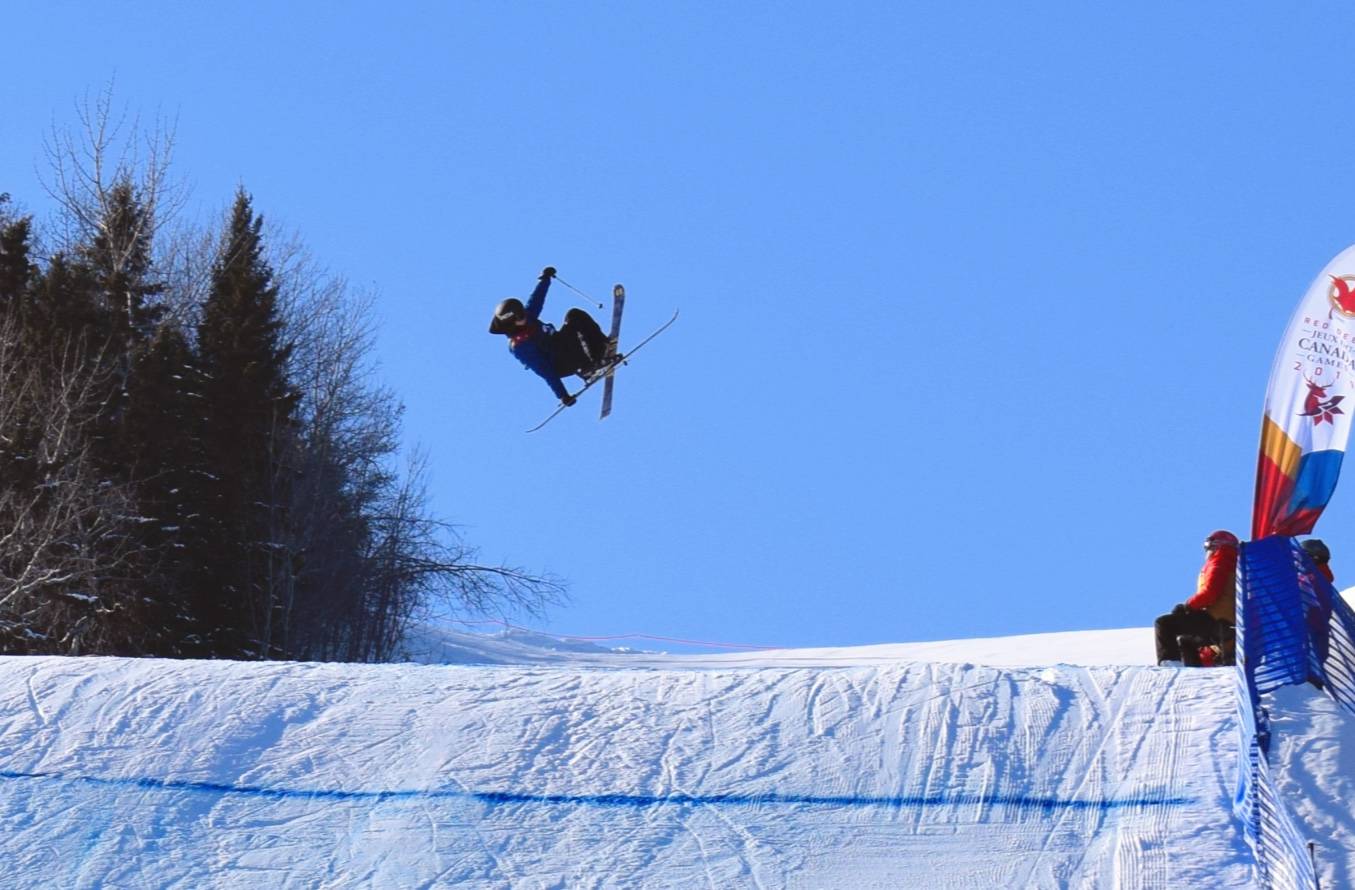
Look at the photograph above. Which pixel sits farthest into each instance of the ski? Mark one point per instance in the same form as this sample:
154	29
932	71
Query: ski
618	303
620	359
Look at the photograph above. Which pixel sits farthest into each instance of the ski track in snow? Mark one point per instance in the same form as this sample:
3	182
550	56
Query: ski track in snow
130	773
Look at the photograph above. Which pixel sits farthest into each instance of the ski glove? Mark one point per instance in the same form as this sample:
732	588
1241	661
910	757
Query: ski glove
548	272
568	400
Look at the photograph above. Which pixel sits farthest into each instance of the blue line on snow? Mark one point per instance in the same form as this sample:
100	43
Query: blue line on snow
1046	804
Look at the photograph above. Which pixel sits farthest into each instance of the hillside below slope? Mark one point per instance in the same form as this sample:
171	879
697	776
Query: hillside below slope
216	774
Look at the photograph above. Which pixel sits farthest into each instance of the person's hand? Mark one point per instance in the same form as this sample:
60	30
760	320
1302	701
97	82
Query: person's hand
548	272
568	400
1182	609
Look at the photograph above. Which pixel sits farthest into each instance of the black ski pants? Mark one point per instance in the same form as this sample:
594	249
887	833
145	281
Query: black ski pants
1189	622
579	345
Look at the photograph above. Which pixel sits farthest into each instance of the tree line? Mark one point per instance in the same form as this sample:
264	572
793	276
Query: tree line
194	458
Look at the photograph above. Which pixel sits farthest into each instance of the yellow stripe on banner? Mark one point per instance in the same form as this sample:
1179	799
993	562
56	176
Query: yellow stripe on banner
1283	451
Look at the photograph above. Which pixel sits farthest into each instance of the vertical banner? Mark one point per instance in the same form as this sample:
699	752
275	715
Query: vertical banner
1307	416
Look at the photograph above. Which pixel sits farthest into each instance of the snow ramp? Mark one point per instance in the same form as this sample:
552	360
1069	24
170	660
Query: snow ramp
149	773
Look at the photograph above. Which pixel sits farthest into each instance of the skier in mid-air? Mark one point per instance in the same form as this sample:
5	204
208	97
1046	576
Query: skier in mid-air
578	347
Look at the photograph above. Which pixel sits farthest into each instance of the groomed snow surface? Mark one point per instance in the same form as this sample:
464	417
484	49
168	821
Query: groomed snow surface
581	767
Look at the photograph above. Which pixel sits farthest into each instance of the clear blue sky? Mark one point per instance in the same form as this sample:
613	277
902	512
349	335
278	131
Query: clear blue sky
978	300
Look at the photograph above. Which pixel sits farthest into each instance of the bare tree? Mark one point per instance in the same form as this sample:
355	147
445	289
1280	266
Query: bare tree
184	257
62	527
374	557
423	567
106	151
114	419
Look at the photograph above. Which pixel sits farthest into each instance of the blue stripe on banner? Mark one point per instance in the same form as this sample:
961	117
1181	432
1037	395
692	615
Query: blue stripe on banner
1316	480
1045	804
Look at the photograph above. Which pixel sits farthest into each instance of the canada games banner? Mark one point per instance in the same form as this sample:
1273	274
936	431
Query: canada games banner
1307	419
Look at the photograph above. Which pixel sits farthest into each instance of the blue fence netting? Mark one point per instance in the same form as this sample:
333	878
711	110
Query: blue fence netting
1292	627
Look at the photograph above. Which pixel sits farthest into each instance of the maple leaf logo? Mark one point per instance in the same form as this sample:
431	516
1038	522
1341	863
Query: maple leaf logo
1342	294
1318	406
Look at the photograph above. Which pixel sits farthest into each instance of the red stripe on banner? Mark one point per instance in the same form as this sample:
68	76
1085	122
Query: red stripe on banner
1301	522
1273	490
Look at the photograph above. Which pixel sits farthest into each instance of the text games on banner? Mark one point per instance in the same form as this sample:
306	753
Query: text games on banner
1306	422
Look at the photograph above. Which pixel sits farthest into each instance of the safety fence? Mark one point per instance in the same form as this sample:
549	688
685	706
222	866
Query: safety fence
1292	627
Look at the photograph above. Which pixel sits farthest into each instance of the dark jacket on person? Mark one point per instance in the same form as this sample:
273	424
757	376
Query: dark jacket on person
531	345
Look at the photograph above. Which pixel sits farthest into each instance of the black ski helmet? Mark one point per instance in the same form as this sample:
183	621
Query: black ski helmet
1317	550
507	315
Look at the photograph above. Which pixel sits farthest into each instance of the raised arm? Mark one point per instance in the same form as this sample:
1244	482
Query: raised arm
537	300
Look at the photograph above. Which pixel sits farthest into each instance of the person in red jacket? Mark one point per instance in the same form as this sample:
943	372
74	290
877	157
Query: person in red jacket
1317	613
1200	631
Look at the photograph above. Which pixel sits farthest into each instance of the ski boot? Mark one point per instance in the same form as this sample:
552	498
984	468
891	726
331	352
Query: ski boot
601	369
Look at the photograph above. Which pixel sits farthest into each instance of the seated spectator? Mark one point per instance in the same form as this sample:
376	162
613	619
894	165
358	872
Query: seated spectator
1201	631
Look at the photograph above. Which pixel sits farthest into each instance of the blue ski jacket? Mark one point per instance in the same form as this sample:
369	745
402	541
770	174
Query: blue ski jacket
532	346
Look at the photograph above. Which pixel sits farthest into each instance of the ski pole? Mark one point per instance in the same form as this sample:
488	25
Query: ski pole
579	292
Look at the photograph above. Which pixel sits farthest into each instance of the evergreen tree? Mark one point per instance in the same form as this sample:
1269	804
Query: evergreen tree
118	324
248	435
163	450
175	478
17	278
64	306
17	270
120	256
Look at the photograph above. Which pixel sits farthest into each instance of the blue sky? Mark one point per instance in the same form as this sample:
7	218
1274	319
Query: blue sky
978	300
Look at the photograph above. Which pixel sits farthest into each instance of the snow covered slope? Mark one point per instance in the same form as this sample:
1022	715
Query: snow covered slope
1312	758
132	773
1125	646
